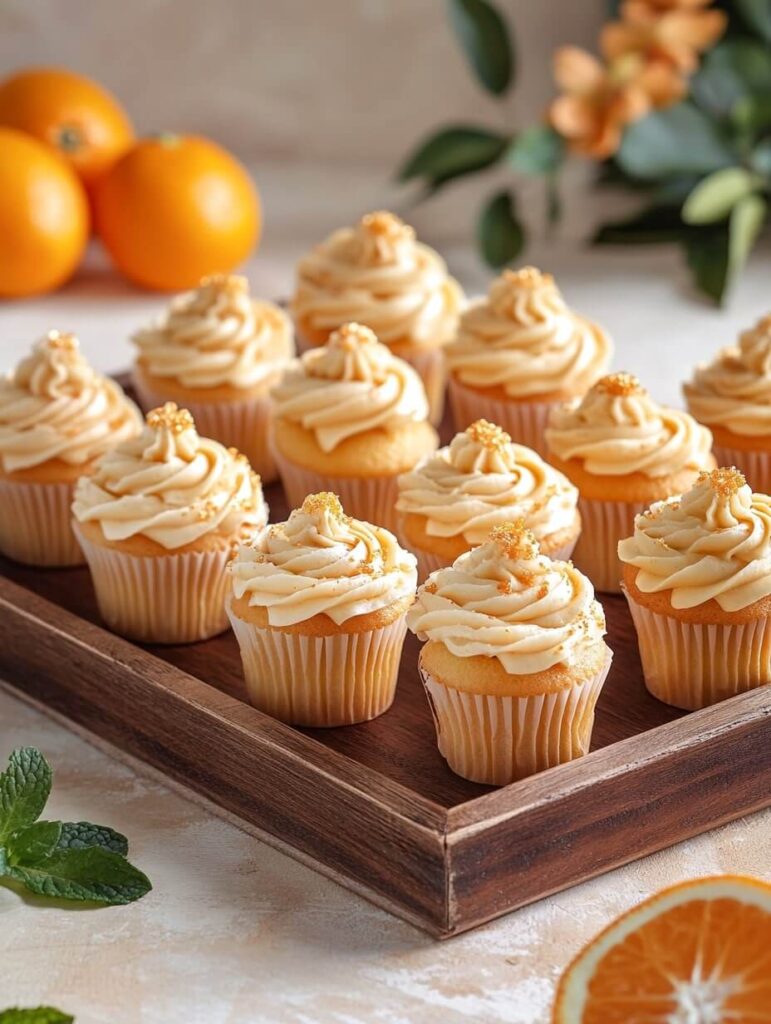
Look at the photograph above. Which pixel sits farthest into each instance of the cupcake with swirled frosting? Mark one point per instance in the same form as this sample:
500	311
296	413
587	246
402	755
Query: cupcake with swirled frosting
514	660
622	450
350	416
452	499
57	416
697	576
732	396
520	351
318	607
217	351
378	274
158	519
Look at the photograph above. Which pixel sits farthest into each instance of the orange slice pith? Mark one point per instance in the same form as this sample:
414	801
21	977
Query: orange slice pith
697	953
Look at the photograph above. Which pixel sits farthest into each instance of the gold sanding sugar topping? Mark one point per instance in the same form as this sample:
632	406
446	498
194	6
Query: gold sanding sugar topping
621	384
324	501
514	540
351	336
430	587
725	481
489	435
527	277
229	284
63	341
386	225
170	417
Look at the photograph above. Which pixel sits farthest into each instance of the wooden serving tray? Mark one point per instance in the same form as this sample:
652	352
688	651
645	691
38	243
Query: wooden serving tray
374	805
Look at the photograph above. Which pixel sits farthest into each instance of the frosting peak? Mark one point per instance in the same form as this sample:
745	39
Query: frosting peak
381	237
617	429
352	353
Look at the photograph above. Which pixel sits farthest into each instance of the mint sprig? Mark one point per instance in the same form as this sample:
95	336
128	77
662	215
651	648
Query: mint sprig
38	1015
65	860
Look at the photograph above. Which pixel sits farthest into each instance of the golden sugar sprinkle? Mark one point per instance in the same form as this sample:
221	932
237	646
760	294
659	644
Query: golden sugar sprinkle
430	587
229	284
352	335
489	435
724	481
527	277
63	341
620	384
323	502
384	224
170	417
514	540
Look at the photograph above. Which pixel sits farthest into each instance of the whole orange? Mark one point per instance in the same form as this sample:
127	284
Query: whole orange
176	208
70	112
44	223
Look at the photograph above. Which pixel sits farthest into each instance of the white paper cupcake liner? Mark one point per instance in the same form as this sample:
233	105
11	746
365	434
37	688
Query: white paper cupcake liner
168	599
372	499
524	421
320	680
756	466
496	740
605	523
35	524
243	424
691	665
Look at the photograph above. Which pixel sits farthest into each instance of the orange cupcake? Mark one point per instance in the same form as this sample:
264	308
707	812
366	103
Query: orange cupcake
515	658
318	608
57	416
158	519
379	275
732	395
218	351
452	499
697	575
622	451
519	352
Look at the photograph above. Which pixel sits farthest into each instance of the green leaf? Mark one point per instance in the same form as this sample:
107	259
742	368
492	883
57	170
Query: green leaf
757	15
537	150
752	114
679	140
38	1015
761	158
501	235
733	70
651	225
80	835
717	194
717	257
24	789
92	874
746	223
485	40
452	152
34	844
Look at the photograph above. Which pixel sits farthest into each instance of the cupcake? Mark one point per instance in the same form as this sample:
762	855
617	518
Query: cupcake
57	416
350	416
453	498
318	607
515	658
732	395
218	351
622	451
379	275
519	352
697	575
158	518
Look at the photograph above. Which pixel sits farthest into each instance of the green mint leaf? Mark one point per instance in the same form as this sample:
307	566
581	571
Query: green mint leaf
453	152
24	788
80	835
717	194
537	150
485	39
92	874
675	141
501	235
38	1015
33	844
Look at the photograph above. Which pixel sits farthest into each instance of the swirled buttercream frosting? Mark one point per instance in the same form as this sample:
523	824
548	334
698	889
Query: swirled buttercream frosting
617	428
55	406
217	335
712	543
348	386
734	391
506	600
171	486
378	274
524	339
482	479
322	562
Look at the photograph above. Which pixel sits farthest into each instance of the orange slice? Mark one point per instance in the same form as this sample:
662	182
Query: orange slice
698	953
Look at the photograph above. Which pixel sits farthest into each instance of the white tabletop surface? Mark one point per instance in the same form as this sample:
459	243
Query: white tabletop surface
235	931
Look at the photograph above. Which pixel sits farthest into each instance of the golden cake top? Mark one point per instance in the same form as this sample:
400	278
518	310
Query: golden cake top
489	435
170	417
622	384
724	481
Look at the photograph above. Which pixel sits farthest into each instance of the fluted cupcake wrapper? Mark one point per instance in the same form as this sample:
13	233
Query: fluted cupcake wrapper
320	681
497	740
372	499
168	599
756	466
692	665
35	524
605	523
243	424
525	421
